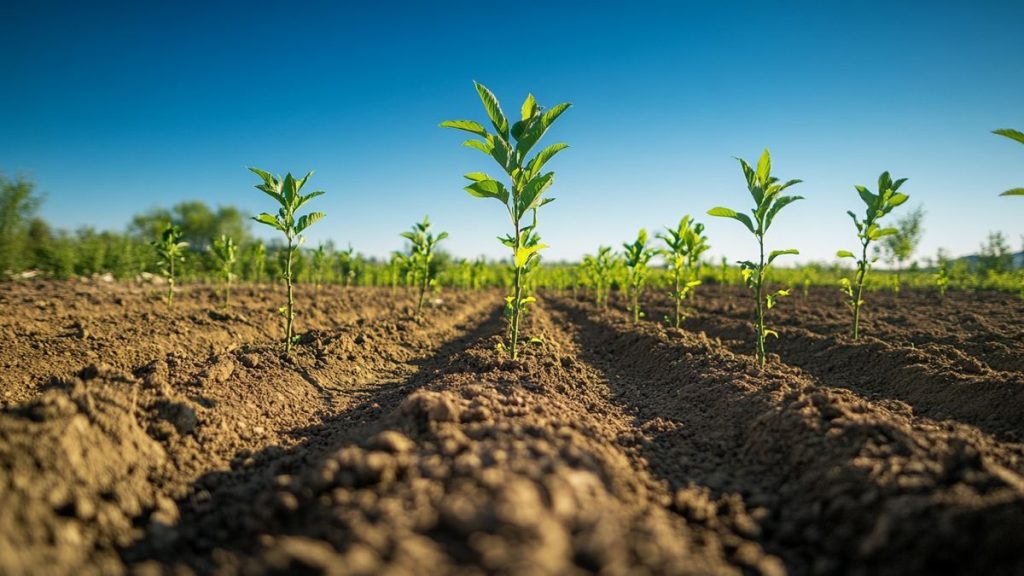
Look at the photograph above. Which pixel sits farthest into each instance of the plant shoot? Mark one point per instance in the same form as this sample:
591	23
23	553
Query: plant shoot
510	145
869	230
768	201
288	194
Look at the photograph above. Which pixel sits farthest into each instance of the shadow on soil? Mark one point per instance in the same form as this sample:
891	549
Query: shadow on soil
712	421
225	509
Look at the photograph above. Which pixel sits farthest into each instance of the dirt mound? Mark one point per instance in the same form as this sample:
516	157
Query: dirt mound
849	482
77	471
478	477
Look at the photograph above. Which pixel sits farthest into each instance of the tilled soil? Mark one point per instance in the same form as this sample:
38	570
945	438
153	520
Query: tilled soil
178	441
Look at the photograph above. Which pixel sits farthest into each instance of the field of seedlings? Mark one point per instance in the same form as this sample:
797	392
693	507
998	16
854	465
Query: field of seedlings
150	439
190	396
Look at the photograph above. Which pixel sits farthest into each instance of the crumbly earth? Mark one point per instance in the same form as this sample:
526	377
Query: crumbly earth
141	439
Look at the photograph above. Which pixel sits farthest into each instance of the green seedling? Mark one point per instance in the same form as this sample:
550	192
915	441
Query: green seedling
225	252
397	265
768	201
596	272
350	266
259	261
637	255
685	243
320	257
869	230
421	254
169	250
1019	137
509	146
288	194
942	274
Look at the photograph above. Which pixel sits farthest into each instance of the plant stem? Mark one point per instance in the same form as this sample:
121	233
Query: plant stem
636	301
516	297
760	305
170	284
861	273
423	288
679	299
291	300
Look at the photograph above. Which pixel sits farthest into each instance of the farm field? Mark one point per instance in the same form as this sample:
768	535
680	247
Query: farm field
141	438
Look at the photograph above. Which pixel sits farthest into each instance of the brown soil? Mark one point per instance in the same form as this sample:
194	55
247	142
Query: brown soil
141	439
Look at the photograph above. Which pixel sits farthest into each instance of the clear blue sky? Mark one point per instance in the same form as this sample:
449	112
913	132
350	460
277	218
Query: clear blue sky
117	107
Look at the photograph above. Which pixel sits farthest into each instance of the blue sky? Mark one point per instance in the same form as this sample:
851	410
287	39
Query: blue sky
122	107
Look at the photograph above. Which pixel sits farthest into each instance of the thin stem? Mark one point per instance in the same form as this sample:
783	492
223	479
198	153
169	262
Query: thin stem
760	305
170	284
423	287
516	298
679	299
636	298
291	300
861	274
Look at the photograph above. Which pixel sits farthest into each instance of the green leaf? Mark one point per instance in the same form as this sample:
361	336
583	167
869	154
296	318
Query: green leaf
542	157
308	220
877	233
764	167
776	253
1011	134
529	107
493	108
552	114
308	197
1014	192
867	196
722	212
267	177
467	125
485	147
269	220
897	198
503	155
532	192
845	254
488	189
779	203
522	254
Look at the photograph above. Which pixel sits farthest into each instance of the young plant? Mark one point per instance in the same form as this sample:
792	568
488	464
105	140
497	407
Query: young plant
723	272
421	254
685	243
169	250
1019	137
768	201
637	255
596	272
259	261
869	230
942	273
320	257
288	194
397	265
510	146
347	265
225	252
